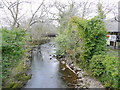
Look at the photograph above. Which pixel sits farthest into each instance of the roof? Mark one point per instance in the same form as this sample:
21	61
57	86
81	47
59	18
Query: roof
112	25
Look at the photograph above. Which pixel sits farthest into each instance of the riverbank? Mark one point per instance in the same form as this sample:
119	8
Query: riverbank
79	77
19	77
86	77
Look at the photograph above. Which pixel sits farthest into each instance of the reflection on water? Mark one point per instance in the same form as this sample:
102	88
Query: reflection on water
45	69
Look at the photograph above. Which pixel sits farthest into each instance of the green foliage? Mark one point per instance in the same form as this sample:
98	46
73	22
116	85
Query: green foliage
87	38
13	42
105	66
94	39
20	80
96	65
63	41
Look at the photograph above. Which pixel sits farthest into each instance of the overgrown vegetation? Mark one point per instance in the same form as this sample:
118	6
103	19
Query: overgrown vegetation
105	67
85	41
12	49
13	52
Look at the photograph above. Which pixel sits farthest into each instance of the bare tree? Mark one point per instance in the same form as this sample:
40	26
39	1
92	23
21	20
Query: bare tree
63	12
14	9
31	22
72	8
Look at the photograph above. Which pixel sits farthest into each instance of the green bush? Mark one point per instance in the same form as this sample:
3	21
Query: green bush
105	66
69	41
13	42
94	38
86	37
96	65
63	42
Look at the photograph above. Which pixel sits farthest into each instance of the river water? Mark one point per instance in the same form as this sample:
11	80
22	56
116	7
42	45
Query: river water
47	71
45	68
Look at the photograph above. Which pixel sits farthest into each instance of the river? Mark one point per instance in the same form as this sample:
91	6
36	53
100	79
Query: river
48	72
45	68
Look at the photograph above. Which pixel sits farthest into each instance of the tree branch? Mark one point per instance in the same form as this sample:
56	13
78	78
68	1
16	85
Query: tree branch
36	12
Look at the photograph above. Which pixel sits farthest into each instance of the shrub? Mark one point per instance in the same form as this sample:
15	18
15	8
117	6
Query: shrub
63	42
105	66
89	35
94	38
96	65
13	42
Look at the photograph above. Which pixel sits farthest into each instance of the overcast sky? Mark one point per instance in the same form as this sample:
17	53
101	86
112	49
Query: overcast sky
26	8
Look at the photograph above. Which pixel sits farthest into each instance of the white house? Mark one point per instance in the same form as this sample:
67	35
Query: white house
113	29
